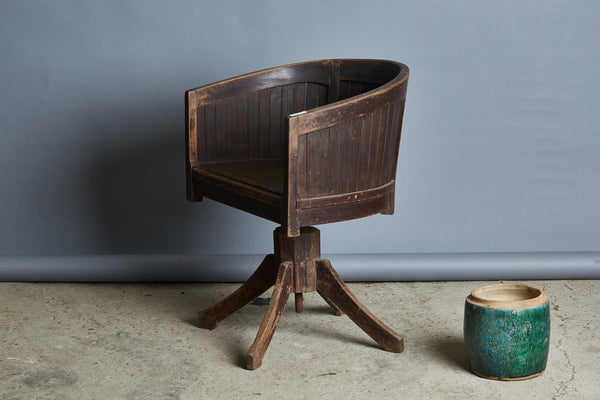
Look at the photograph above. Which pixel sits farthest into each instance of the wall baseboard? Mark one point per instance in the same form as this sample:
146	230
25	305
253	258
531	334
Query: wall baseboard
352	267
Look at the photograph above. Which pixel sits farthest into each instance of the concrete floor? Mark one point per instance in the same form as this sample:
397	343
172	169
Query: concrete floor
111	341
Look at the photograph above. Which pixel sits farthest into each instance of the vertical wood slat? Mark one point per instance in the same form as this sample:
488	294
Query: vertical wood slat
397	129
231	128
329	156
302	180
333	92
343	87
324	161
387	170
237	125
354	177
275	122
220	131
378	143
287	105
251	126
373	147
293	100
317	144
347	89
330	178
264	121
210	128
364	153
341	173
200	137
312	163
313	96
299	102
386	115
241	143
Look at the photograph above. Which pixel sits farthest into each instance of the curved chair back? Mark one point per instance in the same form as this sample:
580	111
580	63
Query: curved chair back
331	126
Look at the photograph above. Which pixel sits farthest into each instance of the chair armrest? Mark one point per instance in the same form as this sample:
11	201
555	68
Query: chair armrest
351	108
342	157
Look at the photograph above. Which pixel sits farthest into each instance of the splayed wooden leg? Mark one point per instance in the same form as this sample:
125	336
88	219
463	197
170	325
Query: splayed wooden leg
336	310
261	280
333	289
299	300
283	288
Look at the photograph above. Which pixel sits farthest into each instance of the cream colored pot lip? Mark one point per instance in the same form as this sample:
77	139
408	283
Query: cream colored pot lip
508	296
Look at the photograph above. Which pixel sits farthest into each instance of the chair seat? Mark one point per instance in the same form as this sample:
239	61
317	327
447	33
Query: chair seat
252	185
262	174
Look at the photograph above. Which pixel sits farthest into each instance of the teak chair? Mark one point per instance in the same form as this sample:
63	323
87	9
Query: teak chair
300	145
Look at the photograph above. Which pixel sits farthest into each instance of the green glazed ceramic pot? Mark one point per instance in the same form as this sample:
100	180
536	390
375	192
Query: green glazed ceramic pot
507	331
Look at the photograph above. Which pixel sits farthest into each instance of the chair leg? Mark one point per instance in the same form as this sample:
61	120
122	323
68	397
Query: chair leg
336	310
333	289
299	300
258	283
283	288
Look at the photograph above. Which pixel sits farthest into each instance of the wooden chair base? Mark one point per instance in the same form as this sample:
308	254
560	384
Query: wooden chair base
297	267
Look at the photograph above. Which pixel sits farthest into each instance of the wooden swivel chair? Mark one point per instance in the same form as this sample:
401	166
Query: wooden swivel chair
300	145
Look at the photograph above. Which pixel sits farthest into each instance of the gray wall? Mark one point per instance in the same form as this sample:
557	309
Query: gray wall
500	149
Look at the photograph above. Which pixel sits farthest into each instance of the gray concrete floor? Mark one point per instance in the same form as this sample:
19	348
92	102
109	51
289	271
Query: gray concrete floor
124	341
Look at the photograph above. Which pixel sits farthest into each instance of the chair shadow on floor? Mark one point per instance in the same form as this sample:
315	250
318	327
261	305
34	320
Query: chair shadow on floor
324	331
233	332
450	350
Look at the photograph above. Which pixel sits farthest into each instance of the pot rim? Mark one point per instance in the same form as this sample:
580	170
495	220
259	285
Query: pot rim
507	296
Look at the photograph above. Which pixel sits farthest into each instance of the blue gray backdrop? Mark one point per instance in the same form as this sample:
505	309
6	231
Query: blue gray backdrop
499	161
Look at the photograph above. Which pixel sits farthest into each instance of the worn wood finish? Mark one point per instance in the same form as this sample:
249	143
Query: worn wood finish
283	288
299	300
302	251
237	194
332	288
335	309
296	267
251	126
259	175
329	130
300	145
261	280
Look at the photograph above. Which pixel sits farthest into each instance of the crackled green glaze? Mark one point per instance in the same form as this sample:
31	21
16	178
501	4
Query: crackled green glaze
507	343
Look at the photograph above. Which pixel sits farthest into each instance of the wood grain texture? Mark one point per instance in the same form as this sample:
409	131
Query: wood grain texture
301	144
283	288
301	251
345	140
261	280
296	266
251	125
260	174
335	291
